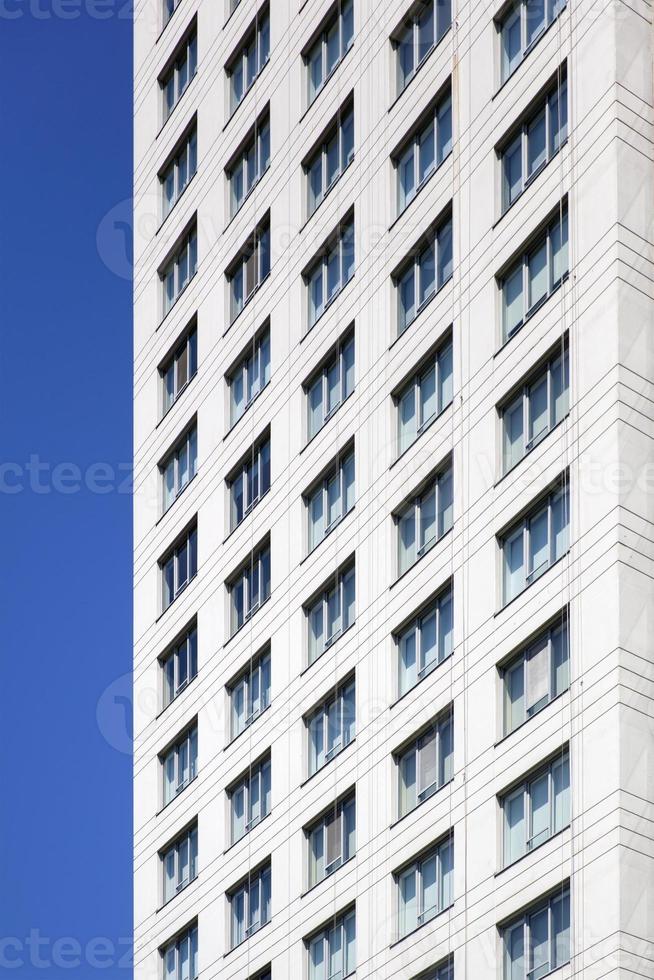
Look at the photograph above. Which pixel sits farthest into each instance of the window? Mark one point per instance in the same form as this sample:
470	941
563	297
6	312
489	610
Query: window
424	152
180	863
246	274
334	154
332	839
329	502
250	482
250	588
538	674
331	613
332	951
179	369
540	539
180	269
330	386
418	36
535	275
180	764
425	888
521	27
540	404
539	941
424	519
249	60
537	140
424	274
249	695
169	8
332	726
179	468
443	972
250	164
175	80
179	566
536	809
250	376
179	171
331	271
249	800
332	44
426	641
424	397
180	666
426	765
250	905
180	957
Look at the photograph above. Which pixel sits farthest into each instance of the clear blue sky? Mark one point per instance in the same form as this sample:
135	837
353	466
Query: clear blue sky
65	383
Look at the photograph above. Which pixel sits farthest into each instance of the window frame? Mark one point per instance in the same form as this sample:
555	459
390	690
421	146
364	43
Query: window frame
184	256
187	347
445	596
341	699
243	474
336	129
260	879
411	24
523	921
256	249
336	17
335	360
434	362
258	34
256	142
186	151
522	398
172	658
341	245
189	935
340	923
523	529
254	353
261	667
412	146
411	269
188	443
520	661
320	827
524	791
245	576
414	505
337	584
259	773
186	742
183	64
441	730
519	7
321	487
189	839
520	266
188	541
416	869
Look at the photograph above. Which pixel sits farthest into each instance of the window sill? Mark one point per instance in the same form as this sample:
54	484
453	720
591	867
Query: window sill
531	718
328	306
420	558
426	304
247	938
174	700
240	734
325	424
178	497
179	395
247	834
419	190
181	592
246	622
175	203
529	183
337	755
430	673
176	301
179	101
325	83
326	195
242	310
328	877
247	197
177	894
420	66
532	312
422	925
245	516
530	451
424	429
245	95
419	805
177	796
534	44
527	854
530	584
245	411
328	648
337	524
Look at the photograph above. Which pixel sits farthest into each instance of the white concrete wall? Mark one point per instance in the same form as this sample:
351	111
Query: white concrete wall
606	305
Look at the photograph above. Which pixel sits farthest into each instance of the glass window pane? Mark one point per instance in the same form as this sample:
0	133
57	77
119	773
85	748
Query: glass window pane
333	50
445	627
445	255
347	140
408	660
446	860
512	305
560	517
348	368
407	540
444	121
333	385
408	782
560	388
446	752
514	692
512	172
408	902
536	144
350	960
539	943
535	11
561	789
561	929
314	398
560	660
428	641
511	43
332	160
405	56
539	544
514	949
513	565
538	411
428	399
425	30
512	419
428	525
407	299
427	267
407	418
426	153
559	239
428	769
537	282
406	177
539	800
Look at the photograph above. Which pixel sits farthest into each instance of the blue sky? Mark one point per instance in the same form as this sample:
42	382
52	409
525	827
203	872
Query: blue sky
65	383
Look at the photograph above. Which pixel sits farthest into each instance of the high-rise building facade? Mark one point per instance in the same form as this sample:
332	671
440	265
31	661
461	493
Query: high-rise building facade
393	669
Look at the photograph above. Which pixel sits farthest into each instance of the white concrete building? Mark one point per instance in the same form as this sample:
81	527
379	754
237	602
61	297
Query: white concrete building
393	553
